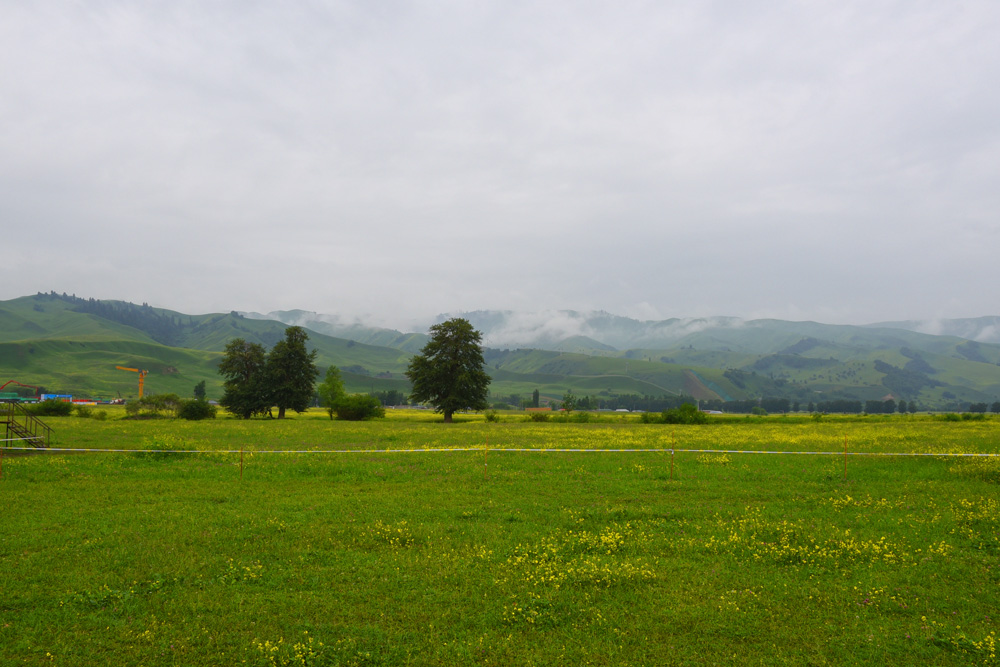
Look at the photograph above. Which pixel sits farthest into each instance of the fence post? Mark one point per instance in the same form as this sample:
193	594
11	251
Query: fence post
673	443
486	456
241	463
845	457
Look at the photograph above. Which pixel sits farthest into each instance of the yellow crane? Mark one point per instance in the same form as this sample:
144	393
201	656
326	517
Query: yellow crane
142	376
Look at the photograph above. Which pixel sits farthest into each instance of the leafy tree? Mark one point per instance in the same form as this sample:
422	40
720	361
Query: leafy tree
331	391
448	373
291	372
995	407
199	391
244	389
568	402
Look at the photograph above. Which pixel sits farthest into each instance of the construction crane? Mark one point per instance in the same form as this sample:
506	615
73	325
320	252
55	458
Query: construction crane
26	386
142	376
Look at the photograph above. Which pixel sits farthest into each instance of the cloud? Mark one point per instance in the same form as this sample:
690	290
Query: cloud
399	160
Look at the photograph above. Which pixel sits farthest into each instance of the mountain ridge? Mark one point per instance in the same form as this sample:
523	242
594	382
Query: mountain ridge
75	343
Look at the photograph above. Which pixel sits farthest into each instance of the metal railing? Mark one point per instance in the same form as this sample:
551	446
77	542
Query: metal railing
22	425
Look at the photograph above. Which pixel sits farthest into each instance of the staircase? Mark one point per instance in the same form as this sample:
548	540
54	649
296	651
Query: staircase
22	425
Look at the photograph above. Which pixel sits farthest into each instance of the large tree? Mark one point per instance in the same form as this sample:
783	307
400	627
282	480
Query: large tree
448	373
245	390
291	372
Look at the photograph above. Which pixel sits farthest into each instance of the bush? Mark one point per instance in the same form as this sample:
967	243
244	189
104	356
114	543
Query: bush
196	409
157	405
492	416
359	407
539	416
88	412
685	414
51	408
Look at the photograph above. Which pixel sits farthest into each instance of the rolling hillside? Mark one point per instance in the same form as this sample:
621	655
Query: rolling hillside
71	345
48	340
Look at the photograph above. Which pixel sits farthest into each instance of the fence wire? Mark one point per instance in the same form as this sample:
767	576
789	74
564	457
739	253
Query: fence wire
442	450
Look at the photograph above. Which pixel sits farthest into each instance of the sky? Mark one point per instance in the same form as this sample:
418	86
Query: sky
390	161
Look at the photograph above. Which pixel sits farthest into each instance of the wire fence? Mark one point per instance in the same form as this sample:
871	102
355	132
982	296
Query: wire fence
444	450
485	450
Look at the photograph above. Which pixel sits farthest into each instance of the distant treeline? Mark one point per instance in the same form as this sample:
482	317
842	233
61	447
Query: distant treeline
782	405
164	329
630	402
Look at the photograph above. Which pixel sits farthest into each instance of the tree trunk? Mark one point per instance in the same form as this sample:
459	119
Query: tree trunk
447	416
281	412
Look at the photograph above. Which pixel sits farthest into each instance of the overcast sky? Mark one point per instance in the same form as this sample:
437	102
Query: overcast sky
832	161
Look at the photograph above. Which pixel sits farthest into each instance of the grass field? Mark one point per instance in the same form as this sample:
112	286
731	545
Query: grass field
430	557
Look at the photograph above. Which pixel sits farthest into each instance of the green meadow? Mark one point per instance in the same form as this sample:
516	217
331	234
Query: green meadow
251	542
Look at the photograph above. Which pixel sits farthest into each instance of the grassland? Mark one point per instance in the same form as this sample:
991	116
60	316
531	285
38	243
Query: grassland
430	557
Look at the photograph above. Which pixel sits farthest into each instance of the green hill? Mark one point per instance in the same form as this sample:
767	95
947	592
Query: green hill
72	345
49	340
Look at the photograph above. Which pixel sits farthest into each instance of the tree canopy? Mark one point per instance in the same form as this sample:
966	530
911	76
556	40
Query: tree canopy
255	380
291	372
448	373
244	391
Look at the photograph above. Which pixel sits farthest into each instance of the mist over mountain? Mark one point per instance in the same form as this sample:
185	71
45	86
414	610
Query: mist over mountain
549	329
350	328
603	332
979	329
74	344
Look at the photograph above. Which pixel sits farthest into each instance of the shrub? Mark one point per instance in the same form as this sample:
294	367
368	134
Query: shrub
157	405
539	416
84	411
197	409
685	414
51	408
359	407
492	416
